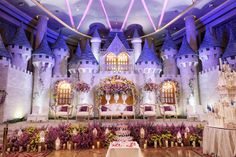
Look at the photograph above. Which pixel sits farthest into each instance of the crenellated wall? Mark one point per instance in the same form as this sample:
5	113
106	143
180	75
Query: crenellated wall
19	89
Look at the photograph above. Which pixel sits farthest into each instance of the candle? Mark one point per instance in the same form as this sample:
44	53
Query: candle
8	149
69	146
185	135
93	147
64	146
46	147
145	146
98	144
28	148
75	145
194	144
167	144
20	149
155	144
172	144
160	144
182	144
176	144
39	148
57	144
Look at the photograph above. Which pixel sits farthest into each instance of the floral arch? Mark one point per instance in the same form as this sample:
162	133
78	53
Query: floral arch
116	85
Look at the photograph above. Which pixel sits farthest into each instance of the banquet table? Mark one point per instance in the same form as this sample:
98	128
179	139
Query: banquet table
219	141
124	149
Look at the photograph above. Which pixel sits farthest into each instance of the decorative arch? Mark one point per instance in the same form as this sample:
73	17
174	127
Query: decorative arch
63	92
169	92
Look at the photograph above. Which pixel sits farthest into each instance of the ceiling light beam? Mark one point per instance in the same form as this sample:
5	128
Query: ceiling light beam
105	13
127	14
70	14
85	13
148	14
162	13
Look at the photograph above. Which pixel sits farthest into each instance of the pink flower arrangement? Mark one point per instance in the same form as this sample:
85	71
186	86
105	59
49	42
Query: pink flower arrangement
150	87
82	87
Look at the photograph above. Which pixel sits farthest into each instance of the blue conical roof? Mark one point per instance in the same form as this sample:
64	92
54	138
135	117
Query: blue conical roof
60	43
111	37
44	48
20	38
185	48
230	50
209	40
148	54
136	35
3	50
76	56
88	54
168	43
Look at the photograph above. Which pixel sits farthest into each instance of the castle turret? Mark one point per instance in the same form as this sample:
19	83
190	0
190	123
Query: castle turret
43	62
61	53
20	49
209	51
74	62
187	61
5	57
168	52
87	64
148	63
96	44
137	45
230	51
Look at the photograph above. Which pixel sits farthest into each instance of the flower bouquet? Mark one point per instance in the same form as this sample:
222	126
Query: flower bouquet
150	87
82	87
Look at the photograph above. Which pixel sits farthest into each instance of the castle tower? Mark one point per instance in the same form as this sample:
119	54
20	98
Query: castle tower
148	63
61	54
209	51
96	44
187	61
137	45
5	57
168	52
43	62
88	65
74	62
20	49
230	51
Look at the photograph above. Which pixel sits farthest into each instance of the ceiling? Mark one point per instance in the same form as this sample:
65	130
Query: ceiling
114	13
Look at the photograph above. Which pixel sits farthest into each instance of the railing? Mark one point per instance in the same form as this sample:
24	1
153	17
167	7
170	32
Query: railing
117	67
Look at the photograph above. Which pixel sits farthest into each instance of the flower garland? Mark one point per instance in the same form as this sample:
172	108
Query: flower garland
82	87
150	87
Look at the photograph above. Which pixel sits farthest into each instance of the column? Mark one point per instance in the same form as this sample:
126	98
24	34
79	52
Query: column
191	31
41	28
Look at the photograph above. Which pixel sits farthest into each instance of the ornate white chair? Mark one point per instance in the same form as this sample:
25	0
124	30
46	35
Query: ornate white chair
62	110
129	111
148	110
168	110
84	110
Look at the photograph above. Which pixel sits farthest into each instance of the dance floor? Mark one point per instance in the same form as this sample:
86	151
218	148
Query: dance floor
151	152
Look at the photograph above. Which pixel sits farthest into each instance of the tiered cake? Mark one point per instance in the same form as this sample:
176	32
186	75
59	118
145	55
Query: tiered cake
123	133
223	113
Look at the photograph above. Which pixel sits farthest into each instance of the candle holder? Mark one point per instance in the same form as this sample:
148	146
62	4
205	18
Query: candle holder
194	144
39	148
155	144
166	143
64	146
28	148
75	145
20	149
172	144
93	147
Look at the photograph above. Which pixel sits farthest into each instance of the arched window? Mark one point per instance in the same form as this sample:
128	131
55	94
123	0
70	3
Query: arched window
64	93
168	92
122	62
117	63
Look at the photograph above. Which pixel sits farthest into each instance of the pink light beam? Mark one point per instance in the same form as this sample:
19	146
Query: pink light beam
127	14
162	13
148	14
85	13
70	14
105	13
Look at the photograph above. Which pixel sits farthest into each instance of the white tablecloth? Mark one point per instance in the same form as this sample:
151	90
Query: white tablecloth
124	149
220	141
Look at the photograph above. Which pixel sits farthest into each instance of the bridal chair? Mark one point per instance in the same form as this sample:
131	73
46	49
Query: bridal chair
84	110
168	110
148	110
62	110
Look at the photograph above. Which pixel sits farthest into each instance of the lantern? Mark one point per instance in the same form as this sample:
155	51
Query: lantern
142	133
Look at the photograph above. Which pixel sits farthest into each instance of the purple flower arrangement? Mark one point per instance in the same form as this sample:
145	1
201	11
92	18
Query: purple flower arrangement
85	137
150	87
82	87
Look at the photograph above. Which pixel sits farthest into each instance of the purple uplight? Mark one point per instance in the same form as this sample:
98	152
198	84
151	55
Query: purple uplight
148	14
104	10
162	13
127	14
70	14
85	13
